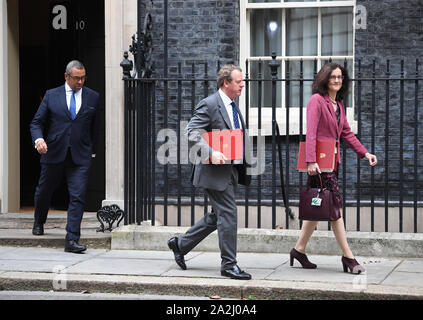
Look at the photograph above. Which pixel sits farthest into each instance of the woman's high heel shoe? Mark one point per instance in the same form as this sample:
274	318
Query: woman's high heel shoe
302	259
353	265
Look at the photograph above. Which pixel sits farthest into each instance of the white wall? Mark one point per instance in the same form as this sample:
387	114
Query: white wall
121	24
3	109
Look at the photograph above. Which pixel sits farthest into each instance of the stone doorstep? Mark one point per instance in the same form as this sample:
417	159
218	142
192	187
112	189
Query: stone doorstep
226	288
15	230
53	238
377	244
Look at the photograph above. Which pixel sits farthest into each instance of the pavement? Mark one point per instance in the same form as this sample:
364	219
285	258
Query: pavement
29	263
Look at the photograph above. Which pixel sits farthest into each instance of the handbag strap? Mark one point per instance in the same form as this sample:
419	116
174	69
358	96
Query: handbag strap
321	182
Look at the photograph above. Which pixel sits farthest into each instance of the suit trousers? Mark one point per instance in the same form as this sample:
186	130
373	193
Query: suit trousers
50	177
224	218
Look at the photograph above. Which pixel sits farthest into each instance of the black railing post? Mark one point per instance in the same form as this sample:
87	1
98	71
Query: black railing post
247	122
372	169
260	161
179	142
343	147
416	143
274	66
287	103
165	102
301	129
192	113
139	33
387	133
127	66
359	138
401	151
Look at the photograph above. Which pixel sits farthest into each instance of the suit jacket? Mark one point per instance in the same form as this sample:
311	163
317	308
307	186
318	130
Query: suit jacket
53	123
210	114
322	125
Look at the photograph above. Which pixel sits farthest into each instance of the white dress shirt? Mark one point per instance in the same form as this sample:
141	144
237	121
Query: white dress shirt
227	102
78	97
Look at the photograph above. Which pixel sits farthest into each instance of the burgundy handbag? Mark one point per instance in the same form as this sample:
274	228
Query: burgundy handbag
317	204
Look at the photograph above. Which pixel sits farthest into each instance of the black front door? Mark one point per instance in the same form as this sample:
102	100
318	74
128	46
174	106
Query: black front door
52	33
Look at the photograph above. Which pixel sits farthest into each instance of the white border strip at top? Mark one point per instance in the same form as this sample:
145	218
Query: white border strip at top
314	4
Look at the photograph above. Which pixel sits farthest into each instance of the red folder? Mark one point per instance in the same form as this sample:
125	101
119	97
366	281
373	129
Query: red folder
325	156
228	142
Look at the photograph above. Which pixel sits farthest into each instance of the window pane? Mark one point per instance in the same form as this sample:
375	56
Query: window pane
260	1
266	33
337	31
301	32
300	0
266	100
295	86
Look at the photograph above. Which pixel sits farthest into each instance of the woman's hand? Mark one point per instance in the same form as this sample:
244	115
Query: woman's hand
313	168
372	159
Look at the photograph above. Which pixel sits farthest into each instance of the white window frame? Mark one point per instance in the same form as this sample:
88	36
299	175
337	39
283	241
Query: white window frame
294	123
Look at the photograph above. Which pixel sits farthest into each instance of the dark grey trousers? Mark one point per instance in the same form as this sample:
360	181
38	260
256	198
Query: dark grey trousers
224	218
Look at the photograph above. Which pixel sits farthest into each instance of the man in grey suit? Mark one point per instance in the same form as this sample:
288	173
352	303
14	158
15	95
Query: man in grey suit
218	178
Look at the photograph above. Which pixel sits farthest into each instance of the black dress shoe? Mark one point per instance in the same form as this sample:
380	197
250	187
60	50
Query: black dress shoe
74	247
236	273
38	229
179	257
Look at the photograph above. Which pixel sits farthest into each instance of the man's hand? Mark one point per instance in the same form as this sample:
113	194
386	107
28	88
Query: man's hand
218	158
41	146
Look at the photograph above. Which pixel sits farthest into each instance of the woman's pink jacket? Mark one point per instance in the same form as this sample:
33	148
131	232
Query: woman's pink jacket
322	126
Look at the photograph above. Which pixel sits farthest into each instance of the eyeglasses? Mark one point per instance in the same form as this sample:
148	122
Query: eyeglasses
334	78
83	78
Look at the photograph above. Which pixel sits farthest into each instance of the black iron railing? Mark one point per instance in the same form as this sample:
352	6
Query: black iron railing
386	108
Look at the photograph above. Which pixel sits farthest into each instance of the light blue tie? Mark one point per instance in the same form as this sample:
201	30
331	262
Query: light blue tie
235	115
72	106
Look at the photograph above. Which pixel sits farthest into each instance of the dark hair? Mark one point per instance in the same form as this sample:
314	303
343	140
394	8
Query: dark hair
320	83
74	64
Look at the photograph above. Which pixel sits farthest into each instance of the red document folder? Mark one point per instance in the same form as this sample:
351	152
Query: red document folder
325	156
228	142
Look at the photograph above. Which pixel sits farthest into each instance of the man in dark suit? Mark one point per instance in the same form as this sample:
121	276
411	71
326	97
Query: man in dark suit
220	178
64	131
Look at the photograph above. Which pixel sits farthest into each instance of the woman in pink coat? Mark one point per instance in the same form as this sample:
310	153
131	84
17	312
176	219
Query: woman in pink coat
326	120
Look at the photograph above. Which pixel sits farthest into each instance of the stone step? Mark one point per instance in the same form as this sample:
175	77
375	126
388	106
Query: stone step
16	230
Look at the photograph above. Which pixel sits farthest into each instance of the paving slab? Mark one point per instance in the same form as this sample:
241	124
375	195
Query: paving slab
4	250
48	254
411	279
261	261
411	265
139	254
34	265
121	267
